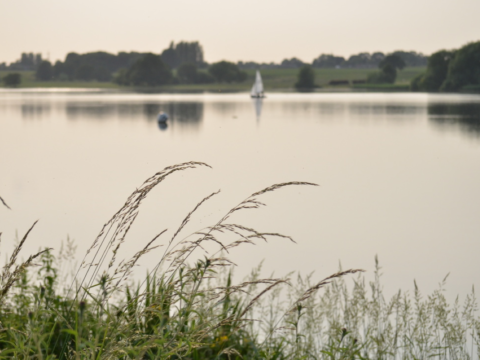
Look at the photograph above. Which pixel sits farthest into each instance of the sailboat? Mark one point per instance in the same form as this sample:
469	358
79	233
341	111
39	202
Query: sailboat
257	88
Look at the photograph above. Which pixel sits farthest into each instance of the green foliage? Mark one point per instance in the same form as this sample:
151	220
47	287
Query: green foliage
364	60
386	76
453	70
306	78
328	61
389	65
204	77
436	73
224	71
411	58
97	66
59	72
149	70
464	68
27	62
393	61
187	73
367	60
12	79
183	52
85	72
292	63
44	71
193	310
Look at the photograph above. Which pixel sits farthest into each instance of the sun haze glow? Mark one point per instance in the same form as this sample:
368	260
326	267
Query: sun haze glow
266	30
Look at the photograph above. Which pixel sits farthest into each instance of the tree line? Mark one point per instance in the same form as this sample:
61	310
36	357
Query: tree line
363	60
451	70
184	63
138	69
389	66
27	62
447	70
188	58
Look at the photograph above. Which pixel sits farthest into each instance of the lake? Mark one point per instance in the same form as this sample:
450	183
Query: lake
399	176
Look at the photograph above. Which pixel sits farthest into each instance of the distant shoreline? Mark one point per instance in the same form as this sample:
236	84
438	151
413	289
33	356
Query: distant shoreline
275	80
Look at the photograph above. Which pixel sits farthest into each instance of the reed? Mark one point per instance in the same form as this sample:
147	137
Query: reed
188	307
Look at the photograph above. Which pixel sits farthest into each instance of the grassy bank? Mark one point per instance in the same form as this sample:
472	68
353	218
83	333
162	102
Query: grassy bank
274	80
188	307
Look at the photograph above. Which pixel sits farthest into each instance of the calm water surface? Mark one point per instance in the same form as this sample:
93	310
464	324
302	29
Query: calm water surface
399	175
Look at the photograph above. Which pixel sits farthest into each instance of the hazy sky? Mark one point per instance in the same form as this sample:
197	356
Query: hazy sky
259	30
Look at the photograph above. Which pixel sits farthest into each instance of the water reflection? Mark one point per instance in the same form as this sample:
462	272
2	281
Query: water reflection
355	108
185	112
258	102
162	125
445	112
30	111
385	109
465	117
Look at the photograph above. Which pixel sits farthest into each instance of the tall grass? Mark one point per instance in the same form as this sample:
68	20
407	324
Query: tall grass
188	307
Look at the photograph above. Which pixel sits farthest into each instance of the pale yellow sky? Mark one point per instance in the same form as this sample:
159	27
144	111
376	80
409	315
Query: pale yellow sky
261	30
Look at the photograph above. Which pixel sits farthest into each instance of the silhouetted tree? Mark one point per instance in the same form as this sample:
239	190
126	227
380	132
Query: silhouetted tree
328	61
436	74
361	60
187	73
71	64
411	58
59	70
44	71
394	61
389	65
224	71
85	72
121	77
464	68
102	74
98	65
149	70
189	52
292	63
204	77
169	56
183	52
306	78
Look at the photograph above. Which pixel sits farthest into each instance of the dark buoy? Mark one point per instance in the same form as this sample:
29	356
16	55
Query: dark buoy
162	117
162	125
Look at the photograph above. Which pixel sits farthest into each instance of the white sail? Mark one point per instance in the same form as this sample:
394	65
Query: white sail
257	88
254	90
259	83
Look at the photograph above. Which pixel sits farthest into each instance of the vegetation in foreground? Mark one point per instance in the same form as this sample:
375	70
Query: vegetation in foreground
187	307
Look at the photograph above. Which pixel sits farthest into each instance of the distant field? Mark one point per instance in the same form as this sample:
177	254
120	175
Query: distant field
28	81
286	78
273	79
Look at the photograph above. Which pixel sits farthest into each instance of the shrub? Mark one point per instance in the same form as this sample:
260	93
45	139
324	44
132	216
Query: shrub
192	309
306	78
12	79
224	71
149	70
187	73
464	68
436	74
44	71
